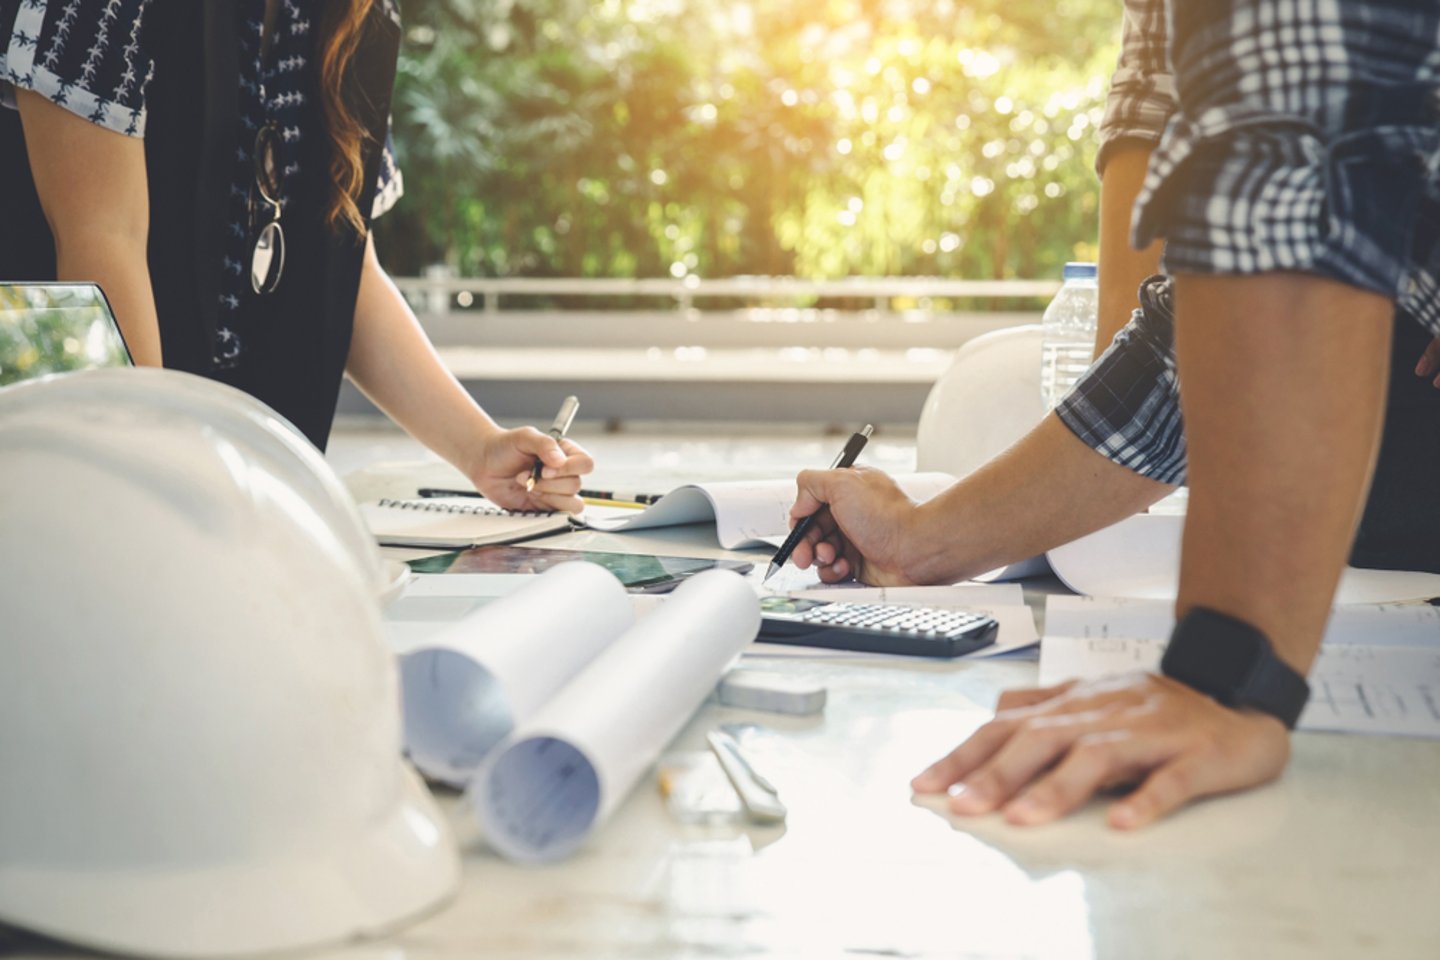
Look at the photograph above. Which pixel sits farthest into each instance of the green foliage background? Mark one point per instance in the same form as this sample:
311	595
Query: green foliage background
821	139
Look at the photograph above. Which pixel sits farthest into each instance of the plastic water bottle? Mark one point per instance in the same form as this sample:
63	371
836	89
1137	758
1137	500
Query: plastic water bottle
1069	332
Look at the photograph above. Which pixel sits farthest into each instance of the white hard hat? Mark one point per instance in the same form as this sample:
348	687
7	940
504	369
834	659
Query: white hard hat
199	720
988	398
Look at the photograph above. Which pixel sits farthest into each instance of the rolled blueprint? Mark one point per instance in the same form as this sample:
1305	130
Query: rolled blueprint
540	794
469	687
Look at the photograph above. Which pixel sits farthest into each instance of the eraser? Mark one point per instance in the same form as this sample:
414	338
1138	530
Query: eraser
771	692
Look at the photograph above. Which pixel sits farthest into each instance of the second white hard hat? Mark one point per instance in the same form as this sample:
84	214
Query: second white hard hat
199	720
987	398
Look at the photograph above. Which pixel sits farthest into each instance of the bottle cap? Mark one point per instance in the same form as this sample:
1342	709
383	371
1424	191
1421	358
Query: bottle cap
1080	270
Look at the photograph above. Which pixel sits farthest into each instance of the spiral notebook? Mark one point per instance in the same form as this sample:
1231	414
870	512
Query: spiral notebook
454	523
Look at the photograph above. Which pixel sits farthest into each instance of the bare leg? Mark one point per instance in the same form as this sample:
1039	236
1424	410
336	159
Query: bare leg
1283	380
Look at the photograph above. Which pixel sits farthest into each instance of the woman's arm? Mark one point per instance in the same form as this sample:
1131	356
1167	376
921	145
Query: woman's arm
396	366
92	187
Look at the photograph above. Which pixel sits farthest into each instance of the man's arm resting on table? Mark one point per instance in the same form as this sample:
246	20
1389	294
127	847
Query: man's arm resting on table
1265	541
93	189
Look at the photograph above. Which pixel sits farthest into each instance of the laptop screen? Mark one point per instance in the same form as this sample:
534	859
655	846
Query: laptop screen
56	328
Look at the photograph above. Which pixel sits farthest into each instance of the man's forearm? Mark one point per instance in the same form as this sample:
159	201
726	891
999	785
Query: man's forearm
1047	489
1283	386
1122	267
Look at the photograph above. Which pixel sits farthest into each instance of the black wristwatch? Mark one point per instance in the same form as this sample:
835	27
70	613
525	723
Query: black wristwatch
1233	662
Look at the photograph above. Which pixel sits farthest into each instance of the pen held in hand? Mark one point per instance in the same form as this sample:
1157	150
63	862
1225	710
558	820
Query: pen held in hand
847	456
557	430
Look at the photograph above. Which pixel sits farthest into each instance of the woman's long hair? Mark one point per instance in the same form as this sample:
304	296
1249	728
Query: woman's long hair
341	27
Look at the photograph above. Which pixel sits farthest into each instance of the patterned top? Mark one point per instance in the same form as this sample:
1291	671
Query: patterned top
1127	405
1142	90
89	56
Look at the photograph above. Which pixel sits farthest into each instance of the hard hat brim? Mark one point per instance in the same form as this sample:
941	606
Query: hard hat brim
404	868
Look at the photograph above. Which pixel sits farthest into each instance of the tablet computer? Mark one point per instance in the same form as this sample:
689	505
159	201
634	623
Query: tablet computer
56	328
639	572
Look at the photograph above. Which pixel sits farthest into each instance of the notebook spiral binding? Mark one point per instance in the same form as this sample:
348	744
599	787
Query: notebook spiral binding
434	506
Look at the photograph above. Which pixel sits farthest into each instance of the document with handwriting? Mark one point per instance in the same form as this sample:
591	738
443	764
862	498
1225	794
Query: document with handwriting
1378	671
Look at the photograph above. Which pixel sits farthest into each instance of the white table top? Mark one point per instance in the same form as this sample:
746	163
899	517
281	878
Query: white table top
1340	858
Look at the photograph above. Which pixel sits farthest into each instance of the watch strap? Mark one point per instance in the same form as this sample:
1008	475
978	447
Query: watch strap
1233	662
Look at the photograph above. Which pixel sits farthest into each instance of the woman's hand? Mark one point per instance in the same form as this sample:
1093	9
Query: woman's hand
1048	751
503	461
862	527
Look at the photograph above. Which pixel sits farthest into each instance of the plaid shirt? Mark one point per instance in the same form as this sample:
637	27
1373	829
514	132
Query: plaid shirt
1142	89
1127	405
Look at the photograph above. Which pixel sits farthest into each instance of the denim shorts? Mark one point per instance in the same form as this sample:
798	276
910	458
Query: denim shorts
1306	139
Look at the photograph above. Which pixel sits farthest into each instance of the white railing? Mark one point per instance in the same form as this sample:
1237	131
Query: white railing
441	292
753	348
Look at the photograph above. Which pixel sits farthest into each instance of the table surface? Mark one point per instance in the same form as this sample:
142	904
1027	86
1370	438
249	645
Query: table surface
1336	859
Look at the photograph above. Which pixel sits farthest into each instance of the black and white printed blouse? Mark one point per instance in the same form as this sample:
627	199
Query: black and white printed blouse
90	57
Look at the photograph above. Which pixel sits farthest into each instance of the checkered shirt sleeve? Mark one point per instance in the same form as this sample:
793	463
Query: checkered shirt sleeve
1142	90
1127	405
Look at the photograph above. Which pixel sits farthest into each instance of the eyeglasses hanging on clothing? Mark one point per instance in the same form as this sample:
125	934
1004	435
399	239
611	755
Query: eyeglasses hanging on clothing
267	257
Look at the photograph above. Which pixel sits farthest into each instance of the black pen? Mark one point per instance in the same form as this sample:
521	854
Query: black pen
557	430
853	446
639	499
427	493
645	499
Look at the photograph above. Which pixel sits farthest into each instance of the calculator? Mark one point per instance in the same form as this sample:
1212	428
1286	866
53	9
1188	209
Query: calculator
874	627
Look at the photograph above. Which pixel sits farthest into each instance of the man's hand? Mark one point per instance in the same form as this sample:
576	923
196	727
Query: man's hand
504	460
864	524
1429	364
1049	750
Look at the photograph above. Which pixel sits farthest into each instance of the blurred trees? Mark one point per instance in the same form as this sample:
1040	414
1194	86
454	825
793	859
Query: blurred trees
820	139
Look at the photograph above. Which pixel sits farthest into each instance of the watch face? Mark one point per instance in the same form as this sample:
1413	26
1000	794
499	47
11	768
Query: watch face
1215	654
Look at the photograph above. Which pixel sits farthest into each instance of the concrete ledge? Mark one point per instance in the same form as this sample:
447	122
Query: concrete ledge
812	385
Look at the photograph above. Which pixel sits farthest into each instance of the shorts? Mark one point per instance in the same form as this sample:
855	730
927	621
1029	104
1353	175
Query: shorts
1306	139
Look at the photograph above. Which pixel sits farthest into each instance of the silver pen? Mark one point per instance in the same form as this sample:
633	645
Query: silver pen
758	795
558	429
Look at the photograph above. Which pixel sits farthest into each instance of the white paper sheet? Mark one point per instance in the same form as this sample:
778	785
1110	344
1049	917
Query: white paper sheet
1140	557
746	512
958	596
432	602
1378	671
1387	624
1377	690
473	683
560	775
1019	570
